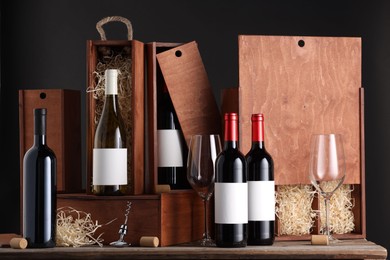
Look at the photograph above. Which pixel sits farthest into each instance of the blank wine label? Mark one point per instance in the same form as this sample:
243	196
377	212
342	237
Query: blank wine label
170	152
231	203
261	200
109	166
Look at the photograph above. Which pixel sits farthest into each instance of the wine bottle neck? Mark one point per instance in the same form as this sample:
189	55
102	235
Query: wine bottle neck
258	145
39	139
40	126
111	103
230	145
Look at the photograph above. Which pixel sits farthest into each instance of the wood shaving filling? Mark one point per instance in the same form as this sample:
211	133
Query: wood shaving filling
296	216
341	218
76	228
293	209
115	58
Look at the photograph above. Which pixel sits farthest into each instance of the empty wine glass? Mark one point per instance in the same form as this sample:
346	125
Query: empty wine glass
202	153
327	169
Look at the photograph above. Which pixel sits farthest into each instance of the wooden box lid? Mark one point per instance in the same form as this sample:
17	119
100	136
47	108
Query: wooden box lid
190	91
303	85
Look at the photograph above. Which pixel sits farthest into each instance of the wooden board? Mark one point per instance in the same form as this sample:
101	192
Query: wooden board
190	90
303	85
355	249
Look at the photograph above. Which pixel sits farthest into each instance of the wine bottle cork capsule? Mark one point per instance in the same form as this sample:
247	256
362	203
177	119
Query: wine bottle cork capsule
319	240
149	241
18	243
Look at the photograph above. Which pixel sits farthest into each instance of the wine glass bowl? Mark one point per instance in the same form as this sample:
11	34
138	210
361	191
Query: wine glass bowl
327	169
202	153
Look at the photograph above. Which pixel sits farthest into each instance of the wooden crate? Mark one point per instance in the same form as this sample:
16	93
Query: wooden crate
305	85
187	82
173	217
134	50
63	128
153	80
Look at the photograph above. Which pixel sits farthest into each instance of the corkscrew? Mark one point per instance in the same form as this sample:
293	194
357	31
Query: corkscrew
123	230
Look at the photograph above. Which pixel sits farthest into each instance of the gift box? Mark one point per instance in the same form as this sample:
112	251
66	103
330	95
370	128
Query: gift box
128	57
304	86
186	78
173	216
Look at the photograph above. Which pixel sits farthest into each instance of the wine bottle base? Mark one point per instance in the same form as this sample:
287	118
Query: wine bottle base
261	233
231	235
114	190
48	244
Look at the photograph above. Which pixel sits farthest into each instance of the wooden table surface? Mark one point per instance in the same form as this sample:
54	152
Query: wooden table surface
346	249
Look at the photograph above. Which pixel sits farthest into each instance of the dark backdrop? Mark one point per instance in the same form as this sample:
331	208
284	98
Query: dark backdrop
43	45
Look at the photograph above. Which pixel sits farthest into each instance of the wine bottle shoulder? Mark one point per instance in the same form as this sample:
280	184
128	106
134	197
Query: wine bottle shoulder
257	154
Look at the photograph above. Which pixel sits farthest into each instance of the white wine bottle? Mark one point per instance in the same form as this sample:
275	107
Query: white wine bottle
110	152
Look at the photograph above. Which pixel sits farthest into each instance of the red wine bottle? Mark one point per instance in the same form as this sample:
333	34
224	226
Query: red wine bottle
231	190
39	188
172	149
261	188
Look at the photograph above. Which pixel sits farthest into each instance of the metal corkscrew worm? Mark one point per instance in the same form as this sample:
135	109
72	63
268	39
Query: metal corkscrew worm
123	230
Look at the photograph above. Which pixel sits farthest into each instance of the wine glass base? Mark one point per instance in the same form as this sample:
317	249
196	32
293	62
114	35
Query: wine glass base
205	242
333	240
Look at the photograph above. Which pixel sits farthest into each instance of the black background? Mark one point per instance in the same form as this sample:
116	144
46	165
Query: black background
43	45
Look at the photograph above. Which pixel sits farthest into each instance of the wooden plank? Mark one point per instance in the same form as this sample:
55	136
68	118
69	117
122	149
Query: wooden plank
190	90
301	90
350	249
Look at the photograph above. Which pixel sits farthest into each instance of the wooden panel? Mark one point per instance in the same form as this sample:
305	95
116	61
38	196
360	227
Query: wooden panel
63	128
301	91
136	136
190	90
181	224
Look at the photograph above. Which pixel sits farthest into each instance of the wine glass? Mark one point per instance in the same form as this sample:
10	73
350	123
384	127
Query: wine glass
202	153
327	169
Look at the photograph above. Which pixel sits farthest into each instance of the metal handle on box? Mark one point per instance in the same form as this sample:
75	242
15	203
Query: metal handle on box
99	26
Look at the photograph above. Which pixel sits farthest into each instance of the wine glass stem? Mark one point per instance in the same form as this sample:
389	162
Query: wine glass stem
206	233
327	200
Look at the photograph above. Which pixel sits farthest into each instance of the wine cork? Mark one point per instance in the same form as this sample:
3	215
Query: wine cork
162	188
18	243
149	241
320	240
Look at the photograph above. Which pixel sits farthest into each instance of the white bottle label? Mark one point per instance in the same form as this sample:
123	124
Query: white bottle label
170	153
261	200
231	203
109	166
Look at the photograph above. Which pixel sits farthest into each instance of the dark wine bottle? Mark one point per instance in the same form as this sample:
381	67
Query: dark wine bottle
261	188
40	188
110	152
231	190
172	149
